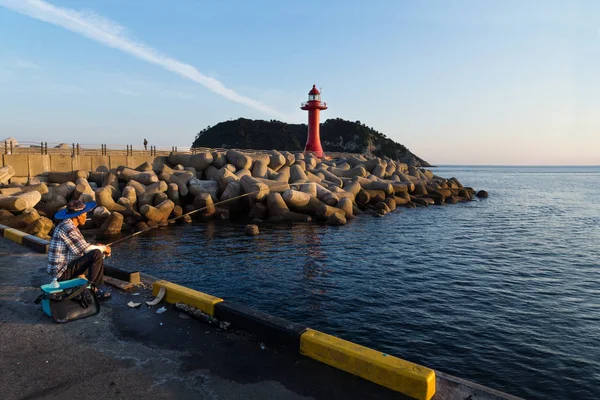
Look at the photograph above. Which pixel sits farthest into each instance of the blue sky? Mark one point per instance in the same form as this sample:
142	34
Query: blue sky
463	82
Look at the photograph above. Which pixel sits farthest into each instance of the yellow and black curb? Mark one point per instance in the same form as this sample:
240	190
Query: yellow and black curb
410	379
392	372
402	376
271	328
33	242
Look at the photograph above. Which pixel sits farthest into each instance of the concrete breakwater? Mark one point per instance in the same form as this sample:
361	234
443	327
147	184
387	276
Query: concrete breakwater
383	369
135	193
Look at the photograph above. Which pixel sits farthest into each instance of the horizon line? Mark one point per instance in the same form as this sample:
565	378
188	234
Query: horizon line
513	165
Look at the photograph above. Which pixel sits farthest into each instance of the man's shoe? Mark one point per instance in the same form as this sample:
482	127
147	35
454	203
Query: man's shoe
103	293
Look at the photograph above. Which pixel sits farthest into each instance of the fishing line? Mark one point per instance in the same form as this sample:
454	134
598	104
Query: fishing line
183	215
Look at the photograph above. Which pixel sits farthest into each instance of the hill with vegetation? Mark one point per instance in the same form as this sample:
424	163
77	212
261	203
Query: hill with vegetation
337	135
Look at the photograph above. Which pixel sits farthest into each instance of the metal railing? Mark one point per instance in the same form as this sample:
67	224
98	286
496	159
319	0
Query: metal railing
83	149
319	103
77	149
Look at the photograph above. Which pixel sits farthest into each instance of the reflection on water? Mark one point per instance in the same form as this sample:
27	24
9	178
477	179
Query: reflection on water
502	291
210	231
314	259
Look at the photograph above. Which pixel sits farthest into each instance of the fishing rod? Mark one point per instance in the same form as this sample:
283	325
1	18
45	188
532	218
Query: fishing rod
183	215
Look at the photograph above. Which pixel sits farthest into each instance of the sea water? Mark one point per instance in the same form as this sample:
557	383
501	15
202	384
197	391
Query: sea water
503	291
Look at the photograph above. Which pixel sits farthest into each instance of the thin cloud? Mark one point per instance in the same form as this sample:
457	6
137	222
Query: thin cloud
25	64
111	34
19	63
125	92
52	88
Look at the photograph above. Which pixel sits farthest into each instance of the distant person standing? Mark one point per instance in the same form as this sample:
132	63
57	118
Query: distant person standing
145	144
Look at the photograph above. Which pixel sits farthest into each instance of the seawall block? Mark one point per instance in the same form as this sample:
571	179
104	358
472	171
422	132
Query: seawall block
136	161
19	162
36	244
2	228
97	161
180	294
402	376
279	330
14	235
116	161
61	163
83	162
38	164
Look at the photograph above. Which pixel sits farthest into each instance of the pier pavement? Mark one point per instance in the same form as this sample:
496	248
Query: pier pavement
135	353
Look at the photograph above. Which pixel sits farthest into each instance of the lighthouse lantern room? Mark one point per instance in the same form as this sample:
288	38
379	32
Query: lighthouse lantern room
314	105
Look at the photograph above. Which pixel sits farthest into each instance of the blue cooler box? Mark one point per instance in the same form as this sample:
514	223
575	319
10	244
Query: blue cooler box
63	285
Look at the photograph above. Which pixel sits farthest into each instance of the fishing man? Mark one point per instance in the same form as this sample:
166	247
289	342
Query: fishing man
70	256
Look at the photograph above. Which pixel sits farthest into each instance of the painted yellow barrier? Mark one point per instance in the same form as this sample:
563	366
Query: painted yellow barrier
180	294
14	235
402	376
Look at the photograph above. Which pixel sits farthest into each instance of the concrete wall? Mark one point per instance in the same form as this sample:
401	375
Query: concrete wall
39	165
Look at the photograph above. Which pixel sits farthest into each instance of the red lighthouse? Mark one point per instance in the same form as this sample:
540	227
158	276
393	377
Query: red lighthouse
314	105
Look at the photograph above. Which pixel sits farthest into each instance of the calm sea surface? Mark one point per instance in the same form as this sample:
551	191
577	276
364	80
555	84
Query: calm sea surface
503	291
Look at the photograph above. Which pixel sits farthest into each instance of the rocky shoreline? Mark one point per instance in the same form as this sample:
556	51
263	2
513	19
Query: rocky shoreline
270	186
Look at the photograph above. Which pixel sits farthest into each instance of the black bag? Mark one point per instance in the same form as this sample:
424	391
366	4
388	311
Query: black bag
71	304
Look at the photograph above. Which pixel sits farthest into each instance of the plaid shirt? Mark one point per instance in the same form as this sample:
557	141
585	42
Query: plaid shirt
67	244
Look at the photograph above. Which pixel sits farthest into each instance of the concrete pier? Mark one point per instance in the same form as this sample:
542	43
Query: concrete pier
135	353
125	353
